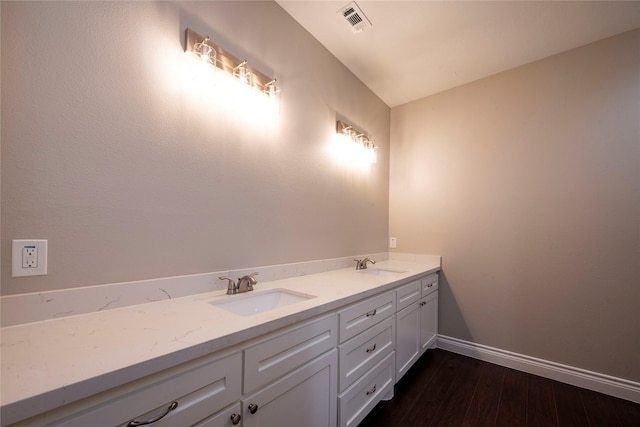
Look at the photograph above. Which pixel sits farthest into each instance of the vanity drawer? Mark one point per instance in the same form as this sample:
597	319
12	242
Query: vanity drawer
408	294
365	314
429	284
216	385
358	400
364	351
285	351
216	381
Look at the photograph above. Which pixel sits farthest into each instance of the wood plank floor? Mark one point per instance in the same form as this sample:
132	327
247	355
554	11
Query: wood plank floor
448	389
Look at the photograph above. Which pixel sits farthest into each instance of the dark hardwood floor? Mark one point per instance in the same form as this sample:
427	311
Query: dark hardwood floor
447	389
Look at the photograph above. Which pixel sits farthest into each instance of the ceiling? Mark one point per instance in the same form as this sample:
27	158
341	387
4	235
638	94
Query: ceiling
417	48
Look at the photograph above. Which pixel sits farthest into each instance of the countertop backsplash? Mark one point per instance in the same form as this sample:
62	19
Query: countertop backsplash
40	306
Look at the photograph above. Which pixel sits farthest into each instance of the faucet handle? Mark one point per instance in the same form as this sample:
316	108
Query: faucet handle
252	280
231	287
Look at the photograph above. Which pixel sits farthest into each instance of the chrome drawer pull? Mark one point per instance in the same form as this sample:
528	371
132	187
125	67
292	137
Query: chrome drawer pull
235	418
373	348
372	313
373	390
135	423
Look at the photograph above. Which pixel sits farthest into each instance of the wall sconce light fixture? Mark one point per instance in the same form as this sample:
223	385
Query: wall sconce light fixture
365	146
203	48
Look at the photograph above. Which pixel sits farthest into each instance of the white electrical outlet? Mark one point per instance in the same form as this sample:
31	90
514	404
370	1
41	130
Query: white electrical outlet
393	242
29	258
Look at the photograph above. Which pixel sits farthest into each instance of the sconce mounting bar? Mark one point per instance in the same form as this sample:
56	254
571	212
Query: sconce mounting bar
227	62
341	127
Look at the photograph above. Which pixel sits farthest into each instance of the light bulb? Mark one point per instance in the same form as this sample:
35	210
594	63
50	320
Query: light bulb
242	73
206	51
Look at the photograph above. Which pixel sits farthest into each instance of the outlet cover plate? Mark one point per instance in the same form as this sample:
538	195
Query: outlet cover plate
18	246
393	242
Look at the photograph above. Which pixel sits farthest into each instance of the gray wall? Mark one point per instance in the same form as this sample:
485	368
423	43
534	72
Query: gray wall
528	185
109	153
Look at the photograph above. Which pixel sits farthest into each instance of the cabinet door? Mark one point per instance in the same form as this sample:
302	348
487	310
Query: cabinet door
429	321
305	397
407	338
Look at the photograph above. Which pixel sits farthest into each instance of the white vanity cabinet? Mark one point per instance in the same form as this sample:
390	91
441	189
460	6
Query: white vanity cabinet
322	372
367	361
416	321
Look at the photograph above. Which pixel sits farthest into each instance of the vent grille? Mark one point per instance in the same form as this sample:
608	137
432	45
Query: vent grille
355	17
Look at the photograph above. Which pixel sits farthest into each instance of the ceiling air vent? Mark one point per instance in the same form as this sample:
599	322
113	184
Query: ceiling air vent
355	17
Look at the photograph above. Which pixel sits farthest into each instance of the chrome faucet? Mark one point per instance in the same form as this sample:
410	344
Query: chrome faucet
361	264
245	284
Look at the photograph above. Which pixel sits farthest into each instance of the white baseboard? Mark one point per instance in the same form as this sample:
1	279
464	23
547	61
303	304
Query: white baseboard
618	387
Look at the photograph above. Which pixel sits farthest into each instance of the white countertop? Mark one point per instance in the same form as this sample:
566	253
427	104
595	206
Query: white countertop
50	363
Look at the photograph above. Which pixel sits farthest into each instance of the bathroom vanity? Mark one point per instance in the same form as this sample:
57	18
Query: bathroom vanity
321	349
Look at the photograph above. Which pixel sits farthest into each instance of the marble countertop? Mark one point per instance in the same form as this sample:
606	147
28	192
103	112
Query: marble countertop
50	363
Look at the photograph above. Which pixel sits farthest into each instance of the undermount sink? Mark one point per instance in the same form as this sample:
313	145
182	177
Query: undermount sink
253	303
382	272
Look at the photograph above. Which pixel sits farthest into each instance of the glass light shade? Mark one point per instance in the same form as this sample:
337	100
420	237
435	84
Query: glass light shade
271	89
205	52
242	73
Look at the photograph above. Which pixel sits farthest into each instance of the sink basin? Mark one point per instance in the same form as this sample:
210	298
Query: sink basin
253	303
382	272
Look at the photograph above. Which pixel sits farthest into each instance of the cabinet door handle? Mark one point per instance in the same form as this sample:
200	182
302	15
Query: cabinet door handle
235	418
253	408
429	285
372	312
135	423
372	348
373	390
422	303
